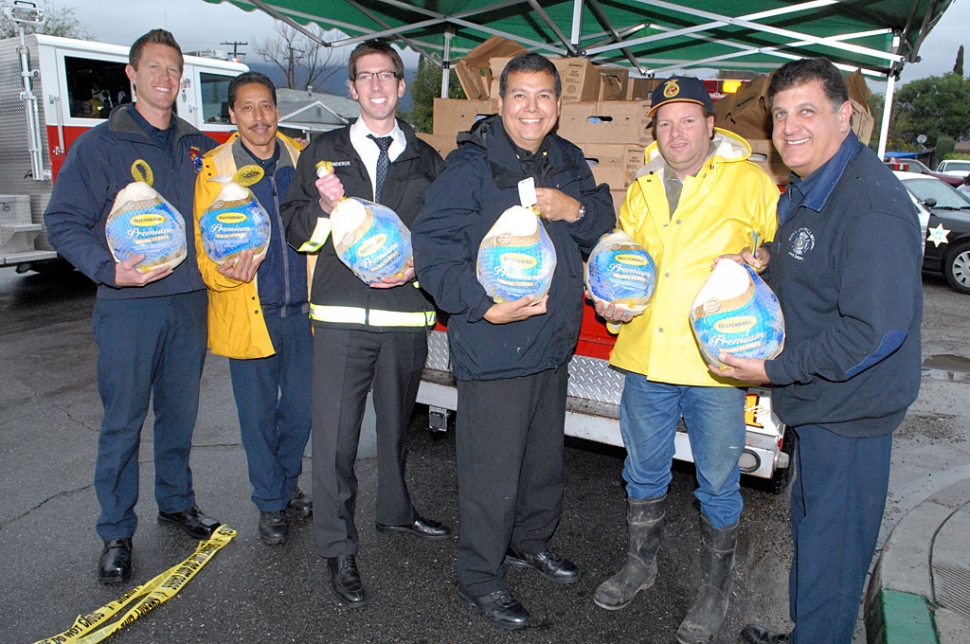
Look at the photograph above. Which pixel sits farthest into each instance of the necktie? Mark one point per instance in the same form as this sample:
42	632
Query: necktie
383	162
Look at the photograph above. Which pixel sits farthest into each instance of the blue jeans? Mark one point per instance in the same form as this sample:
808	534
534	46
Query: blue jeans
649	414
149	350
273	400
837	503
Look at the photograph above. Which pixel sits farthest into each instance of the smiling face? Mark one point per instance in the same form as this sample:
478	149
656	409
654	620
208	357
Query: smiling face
807	129
256	117
684	136
156	80
529	108
377	98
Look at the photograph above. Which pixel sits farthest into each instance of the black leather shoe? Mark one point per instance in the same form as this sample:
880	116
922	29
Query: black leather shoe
300	504
345	580
191	521
273	528
550	565
114	567
755	634
500	608
423	528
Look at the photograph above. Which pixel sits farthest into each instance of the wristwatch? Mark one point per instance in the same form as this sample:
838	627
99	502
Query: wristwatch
582	213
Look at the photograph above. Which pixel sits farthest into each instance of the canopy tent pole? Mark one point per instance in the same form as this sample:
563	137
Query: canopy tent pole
887	108
576	34
446	63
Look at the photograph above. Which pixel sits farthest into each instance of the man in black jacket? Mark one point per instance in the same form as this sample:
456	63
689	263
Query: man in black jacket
510	358
364	334
846	268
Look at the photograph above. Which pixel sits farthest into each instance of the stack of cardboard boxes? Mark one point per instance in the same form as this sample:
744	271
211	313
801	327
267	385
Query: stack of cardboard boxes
604	112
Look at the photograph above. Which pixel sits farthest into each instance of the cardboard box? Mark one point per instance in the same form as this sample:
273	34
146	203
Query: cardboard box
640	89
618	197
763	153
580	80
862	120
746	113
473	70
453	115
613	83
628	157
615	177
623	122
443	143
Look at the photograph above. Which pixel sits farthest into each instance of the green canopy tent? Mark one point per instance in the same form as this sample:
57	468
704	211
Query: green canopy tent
652	36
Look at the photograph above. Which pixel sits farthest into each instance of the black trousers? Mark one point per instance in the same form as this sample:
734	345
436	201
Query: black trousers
509	441
345	365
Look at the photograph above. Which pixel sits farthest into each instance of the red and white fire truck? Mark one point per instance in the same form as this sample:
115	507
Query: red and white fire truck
51	91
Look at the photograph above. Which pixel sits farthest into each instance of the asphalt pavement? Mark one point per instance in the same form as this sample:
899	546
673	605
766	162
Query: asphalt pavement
248	592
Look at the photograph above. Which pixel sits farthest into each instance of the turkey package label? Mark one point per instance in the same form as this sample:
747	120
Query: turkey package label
233	223
737	313
621	272
370	239
516	258
141	221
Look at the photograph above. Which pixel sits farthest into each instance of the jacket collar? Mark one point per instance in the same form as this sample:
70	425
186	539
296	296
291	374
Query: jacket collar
121	124
726	147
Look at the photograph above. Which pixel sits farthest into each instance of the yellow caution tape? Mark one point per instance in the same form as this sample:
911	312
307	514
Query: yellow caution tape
94	626
141	171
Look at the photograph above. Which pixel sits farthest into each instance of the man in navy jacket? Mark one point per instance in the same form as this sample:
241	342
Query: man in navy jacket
150	327
510	359
846	268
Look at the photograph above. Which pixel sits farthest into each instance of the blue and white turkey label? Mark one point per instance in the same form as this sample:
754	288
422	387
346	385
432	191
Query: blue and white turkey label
233	223
621	272
143	222
516	258
370	239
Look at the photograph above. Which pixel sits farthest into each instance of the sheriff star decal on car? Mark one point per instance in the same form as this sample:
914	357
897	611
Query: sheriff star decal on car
938	235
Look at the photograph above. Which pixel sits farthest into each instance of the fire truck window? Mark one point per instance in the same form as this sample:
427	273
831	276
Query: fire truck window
94	87
215	97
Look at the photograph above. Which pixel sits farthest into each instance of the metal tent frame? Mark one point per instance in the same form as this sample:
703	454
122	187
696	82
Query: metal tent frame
654	37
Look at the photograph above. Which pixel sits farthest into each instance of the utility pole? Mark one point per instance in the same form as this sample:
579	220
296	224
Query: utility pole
235	48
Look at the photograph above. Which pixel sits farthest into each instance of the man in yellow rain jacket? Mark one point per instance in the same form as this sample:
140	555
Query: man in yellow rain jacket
697	198
258	311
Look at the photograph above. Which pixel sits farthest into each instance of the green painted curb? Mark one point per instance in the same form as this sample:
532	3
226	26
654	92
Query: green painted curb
895	617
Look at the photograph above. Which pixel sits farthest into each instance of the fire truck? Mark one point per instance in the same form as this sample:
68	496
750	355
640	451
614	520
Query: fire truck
52	90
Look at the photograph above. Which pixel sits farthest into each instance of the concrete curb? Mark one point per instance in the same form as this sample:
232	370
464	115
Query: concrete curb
918	589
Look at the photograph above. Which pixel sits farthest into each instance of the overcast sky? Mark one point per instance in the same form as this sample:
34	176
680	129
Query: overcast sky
201	25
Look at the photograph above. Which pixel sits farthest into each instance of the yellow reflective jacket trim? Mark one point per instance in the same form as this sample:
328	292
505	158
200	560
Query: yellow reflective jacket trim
319	237
373	317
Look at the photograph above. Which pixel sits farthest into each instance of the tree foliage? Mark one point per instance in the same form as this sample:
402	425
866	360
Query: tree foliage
958	65
58	21
936	106
303	61
424	88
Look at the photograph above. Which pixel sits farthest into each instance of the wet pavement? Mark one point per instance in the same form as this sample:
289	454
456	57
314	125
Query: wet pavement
248	592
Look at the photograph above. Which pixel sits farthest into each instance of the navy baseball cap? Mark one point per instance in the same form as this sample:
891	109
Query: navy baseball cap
680	89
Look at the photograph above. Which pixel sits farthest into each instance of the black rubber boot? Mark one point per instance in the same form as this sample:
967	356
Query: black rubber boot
644	519
717	570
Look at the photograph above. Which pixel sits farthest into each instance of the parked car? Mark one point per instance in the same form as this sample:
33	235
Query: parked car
912	165
954	167
947	243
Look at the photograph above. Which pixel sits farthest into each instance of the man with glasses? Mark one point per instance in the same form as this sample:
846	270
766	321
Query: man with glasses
363	335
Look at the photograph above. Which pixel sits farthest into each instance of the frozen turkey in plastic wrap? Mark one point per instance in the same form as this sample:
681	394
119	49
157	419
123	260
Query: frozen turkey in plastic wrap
370	239
141	221
621	272
516	257
234	222
737	313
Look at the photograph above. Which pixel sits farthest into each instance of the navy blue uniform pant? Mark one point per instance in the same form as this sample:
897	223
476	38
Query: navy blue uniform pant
346	363
273	400
509	445
149	350
837	503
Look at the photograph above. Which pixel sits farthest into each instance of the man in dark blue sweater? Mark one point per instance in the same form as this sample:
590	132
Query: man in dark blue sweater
846	268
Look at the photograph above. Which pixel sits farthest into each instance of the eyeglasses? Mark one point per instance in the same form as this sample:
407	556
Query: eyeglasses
384	76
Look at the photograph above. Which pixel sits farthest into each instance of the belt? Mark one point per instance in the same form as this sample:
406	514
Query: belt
371	317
